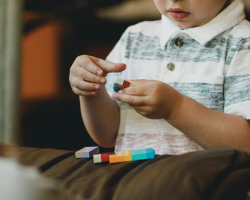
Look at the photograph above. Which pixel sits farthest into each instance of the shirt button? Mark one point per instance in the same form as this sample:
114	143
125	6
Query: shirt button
171	66
179	42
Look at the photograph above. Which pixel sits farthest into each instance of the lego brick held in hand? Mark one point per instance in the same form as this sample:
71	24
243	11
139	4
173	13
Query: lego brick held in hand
116	89
119	84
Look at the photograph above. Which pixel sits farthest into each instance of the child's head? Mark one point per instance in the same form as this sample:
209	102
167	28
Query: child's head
191	13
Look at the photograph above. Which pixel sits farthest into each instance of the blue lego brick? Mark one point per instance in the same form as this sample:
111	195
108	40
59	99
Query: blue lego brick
150	153
115	88
139	154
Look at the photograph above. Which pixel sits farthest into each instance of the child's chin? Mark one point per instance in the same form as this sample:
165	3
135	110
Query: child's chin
183	24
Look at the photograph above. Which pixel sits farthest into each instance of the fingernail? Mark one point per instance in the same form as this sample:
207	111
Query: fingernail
103	80
97	86
121	92
99	72
114	95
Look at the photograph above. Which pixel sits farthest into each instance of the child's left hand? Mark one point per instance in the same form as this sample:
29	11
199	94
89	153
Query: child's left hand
152	99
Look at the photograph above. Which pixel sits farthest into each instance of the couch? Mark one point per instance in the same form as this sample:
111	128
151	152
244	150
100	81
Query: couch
203	175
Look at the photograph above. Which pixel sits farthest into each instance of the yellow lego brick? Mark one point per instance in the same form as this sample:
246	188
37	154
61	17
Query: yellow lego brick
132	85
116	158
127	156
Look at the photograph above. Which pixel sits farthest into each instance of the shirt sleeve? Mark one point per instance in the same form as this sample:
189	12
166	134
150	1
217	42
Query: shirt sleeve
237	80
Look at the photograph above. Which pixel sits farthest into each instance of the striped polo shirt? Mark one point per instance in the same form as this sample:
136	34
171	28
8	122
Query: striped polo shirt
210	64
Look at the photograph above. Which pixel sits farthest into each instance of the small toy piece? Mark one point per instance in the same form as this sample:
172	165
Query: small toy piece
126	84
127	156
116	89
142	154
87	152
119	84
150	153
117	157
99	158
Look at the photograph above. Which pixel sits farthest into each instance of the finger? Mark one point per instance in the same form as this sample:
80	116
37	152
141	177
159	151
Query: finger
83	85
135	91
141	109
86	63
108	66
131	100
88	76
84	93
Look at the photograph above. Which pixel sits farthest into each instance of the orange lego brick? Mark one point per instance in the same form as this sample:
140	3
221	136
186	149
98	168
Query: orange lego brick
116	158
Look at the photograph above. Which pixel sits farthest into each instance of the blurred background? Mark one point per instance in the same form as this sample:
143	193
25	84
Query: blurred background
54	33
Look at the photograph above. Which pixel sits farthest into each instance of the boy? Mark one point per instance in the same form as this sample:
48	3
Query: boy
194	87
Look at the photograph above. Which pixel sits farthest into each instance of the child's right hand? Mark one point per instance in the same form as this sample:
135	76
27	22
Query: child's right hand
88	72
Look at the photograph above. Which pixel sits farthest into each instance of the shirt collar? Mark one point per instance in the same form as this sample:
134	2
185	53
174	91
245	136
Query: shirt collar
225	20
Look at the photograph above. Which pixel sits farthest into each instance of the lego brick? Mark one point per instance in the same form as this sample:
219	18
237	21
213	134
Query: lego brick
139	154
97	158
116	89
87	152
142	154
126	84
116	158
150	153
105	156
118	82
100	158
127	156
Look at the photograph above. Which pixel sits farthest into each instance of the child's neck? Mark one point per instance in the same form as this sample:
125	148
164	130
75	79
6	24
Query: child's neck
228	2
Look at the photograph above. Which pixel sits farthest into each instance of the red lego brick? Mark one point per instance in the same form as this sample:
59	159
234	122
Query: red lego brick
105	156
126	84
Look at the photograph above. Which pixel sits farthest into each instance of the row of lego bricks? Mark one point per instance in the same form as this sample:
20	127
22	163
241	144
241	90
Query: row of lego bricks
128	155
132	155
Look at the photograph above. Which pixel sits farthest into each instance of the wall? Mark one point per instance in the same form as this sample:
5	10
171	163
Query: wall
40	67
